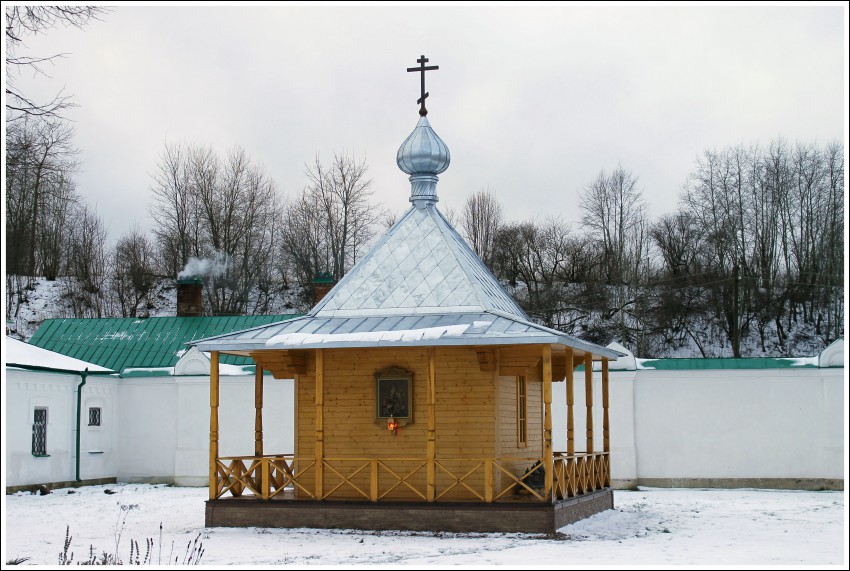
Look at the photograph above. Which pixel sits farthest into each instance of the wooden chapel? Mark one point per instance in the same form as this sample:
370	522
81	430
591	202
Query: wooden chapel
422	394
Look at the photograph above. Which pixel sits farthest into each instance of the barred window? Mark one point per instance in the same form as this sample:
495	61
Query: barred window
39	432
94	416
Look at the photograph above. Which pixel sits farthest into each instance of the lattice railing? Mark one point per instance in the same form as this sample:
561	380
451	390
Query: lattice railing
381	479
579	474
264	477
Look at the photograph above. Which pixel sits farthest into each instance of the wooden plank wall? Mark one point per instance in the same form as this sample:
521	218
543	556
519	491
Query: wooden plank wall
465	414
508	426
465	418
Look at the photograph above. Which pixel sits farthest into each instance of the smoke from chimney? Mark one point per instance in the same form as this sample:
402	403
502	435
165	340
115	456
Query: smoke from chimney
190	282
218	265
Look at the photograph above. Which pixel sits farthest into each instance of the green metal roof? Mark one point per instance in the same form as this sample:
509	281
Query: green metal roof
729	363
685	364
152	342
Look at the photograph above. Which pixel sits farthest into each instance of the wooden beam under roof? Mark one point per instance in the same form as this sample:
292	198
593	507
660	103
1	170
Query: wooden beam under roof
514	361
486	359
282	364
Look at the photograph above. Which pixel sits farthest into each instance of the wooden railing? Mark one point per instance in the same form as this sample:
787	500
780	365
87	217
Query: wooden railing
264	477
381	479
579	474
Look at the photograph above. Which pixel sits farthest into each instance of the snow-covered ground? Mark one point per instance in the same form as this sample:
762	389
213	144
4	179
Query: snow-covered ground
650	527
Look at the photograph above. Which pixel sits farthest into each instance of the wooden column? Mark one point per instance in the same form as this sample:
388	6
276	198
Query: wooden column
571	446
258	411
213	424
606	440
548	460
588	397
431	446
320	435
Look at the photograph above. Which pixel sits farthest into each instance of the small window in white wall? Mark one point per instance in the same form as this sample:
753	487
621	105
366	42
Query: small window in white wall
39	432
94	416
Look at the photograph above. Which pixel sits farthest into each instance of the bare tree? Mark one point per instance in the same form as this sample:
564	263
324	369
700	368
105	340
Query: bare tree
332	221
535	258
679	239
224	212
389	219
767	221
40	162
451	215
240	211
615	215
342	191
22	21
304	246
174	209
480	221
712	195
679	305
87	264
132	273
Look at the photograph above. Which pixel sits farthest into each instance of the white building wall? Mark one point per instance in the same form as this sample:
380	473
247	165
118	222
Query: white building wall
713	427
667	427
147	433
621	415
712	424
27	390
236	422
99	444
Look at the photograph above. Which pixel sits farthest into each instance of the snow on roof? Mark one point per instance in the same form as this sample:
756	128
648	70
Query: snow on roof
437	329
23	355
224	370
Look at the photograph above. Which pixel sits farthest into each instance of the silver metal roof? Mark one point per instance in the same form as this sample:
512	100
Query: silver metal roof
482	328
421	265
420	285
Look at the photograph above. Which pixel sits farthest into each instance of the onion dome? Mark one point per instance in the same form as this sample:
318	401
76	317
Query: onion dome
423	155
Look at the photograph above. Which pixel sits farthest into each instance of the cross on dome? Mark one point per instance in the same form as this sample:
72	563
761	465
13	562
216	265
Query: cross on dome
422	69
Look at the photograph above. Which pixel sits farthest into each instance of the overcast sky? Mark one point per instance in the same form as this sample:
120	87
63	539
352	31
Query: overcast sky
532	101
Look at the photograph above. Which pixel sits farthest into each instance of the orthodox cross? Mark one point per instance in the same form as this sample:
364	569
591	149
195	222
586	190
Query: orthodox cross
422	69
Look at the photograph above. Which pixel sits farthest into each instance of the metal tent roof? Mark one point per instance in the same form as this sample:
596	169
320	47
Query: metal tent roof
421	265
421	284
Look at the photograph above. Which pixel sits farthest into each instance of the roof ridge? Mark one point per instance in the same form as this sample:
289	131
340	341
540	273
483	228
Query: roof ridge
350	275
446	228
421	264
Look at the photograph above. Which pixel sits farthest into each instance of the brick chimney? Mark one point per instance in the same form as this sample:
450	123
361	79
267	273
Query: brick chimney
189	297
322	284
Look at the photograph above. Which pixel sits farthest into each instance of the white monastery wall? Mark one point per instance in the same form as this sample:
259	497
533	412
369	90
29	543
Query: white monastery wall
766	427
236	422
57	393
721	428
147	435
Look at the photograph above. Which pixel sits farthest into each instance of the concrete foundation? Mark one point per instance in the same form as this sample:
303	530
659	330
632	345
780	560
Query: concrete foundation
509	517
